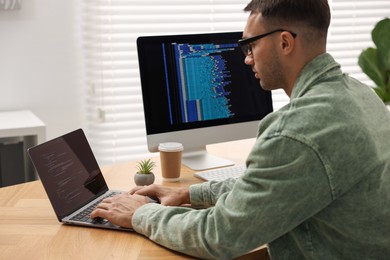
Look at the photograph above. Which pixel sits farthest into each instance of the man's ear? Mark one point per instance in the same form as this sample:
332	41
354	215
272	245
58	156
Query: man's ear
287	42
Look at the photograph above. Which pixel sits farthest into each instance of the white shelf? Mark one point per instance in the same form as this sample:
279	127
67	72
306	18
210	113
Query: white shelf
22	124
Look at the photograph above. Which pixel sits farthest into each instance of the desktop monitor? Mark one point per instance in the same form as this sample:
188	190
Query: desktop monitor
196	90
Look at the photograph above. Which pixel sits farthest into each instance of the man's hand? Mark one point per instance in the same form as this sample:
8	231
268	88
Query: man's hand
166	195
119	209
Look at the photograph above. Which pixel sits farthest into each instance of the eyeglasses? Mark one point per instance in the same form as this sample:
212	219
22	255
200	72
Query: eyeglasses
245	44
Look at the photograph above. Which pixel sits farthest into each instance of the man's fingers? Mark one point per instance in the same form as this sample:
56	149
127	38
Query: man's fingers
99	212
104	205
101	209
135	189
144	190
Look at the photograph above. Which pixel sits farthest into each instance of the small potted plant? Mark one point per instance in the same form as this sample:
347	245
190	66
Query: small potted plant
144	175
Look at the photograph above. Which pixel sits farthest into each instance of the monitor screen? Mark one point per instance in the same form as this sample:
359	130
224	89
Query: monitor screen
193	84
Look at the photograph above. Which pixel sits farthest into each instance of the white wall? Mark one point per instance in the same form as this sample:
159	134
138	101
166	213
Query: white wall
40	64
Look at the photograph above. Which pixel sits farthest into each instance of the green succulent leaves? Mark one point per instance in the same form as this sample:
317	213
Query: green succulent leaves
145	166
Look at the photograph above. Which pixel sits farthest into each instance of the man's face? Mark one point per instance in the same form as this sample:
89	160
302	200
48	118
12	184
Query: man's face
264	58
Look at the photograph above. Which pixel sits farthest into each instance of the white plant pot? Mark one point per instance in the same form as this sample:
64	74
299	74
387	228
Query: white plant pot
143	179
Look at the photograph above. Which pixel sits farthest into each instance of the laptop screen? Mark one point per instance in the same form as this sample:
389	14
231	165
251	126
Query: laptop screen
69	172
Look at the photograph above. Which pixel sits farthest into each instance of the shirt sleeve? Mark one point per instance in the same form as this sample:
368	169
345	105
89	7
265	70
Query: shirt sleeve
206	194
280	189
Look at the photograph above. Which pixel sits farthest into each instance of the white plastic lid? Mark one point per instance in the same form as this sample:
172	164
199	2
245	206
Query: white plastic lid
170	147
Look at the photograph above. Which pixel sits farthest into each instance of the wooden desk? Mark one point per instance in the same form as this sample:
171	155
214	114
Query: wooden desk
29	228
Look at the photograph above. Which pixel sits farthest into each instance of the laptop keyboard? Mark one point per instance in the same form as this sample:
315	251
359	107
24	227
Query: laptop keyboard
83	216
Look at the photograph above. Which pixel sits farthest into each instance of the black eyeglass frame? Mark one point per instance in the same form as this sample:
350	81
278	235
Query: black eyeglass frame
245	43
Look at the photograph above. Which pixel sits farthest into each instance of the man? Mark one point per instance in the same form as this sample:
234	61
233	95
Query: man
317	184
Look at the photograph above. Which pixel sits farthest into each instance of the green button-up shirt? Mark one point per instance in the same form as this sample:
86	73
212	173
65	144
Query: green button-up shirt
317	184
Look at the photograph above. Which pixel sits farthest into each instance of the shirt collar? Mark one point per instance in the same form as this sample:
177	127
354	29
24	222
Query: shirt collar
317	70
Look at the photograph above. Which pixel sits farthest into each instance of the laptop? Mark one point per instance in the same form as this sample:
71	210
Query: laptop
72	179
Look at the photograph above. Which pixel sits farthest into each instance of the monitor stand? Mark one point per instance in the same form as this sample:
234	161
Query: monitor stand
200	159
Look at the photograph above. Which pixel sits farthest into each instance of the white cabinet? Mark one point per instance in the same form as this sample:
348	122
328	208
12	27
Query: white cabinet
19	130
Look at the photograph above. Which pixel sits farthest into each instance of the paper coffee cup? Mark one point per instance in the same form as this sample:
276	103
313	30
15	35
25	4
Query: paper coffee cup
170	157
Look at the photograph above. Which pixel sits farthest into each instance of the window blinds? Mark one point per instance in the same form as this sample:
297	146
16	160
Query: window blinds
350	31
114	112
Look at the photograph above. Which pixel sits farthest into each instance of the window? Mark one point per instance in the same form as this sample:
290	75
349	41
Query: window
115	123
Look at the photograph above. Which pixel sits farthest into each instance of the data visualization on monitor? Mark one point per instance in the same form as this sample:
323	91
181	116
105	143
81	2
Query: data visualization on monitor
203	81
197	90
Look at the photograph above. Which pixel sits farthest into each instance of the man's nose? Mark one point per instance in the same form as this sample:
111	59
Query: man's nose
248	60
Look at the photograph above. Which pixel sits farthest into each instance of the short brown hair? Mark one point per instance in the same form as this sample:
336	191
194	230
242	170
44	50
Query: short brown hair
312	13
